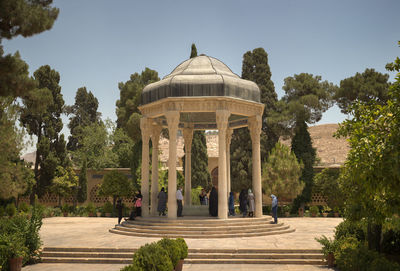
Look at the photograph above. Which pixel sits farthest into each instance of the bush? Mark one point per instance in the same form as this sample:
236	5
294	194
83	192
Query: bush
152	257
173	249
2	211
24	207
90	208
183	246
108	207
391	236
351	228
11	210
12	246
314	209
65	208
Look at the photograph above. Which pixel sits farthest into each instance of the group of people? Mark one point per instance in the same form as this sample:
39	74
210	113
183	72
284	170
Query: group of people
246	204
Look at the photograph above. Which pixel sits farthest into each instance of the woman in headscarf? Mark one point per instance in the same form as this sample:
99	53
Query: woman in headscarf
274	205
250	199
231	204
243	202
162	202
213	206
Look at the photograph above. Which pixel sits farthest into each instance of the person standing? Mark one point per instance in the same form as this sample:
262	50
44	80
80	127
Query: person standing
213	207
243	202
119	209
231	204
202	197
274	206
250	199
162	202
179	198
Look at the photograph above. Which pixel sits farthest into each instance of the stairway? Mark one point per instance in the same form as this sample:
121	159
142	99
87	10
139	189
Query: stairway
195	256
198	227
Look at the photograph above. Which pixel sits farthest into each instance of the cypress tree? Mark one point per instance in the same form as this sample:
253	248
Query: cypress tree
82	192
305	153
193	52
255	68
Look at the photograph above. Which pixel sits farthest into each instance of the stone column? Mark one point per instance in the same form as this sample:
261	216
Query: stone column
188	137
173	121
255	131
222	125
229	133
145	129
155	137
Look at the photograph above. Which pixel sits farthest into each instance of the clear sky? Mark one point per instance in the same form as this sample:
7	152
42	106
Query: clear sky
99	43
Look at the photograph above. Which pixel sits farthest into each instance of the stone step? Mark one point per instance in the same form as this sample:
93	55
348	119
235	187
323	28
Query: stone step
198	235
199	230
154	221
195	256
190	227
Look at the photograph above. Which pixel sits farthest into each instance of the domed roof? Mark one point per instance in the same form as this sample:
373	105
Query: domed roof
201	76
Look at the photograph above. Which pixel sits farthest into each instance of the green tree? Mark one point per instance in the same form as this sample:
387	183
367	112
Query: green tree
25	18
305	153
83	113
254	68
366	86
281	172
41	116
123	148
193	52
64	182
115	184
371	178
327	183
200	174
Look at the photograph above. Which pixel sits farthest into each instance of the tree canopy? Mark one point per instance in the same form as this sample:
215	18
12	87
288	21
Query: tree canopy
366	86
281	172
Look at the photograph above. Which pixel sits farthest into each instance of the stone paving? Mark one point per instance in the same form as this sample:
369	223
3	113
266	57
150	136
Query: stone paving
93	232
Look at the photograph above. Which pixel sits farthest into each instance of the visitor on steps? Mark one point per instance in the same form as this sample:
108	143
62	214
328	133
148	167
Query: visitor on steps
274	206
231	204
138	203
162	202
250	199
119	209
213	207
202	197
243	202
179	198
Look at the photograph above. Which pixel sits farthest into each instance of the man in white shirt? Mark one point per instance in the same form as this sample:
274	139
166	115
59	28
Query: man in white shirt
179	199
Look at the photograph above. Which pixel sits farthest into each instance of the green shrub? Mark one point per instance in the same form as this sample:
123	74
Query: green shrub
65	208
328	245
173	248
108	207
351	228
11	210
391	236
57	211
12	246
2	211
152	257
314	209
183	246
91	208
24	207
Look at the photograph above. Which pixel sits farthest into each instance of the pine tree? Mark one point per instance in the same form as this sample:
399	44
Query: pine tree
41	115
255	68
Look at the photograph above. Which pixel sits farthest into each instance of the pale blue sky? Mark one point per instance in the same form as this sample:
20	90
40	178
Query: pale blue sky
99	43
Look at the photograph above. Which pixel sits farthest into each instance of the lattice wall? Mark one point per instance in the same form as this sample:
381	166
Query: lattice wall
318	199
96	199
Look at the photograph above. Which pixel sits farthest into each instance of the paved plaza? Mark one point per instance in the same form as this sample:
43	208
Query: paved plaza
93	232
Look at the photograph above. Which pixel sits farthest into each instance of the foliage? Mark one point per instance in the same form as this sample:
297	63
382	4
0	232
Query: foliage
254	68
83	113
328	245
96	147
90	208
391	236
371	178
307	97
10	209
2	211
65	208
152	257
25	18
11	246
327	183
24	207
115	184
124	148
200	174
64	182
314	209
195	195
161	255
193	52
82	184
281	172
107	207
305	153
366	86
41	116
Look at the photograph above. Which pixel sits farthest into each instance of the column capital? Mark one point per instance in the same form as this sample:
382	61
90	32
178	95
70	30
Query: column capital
155	135
229	133
172	119
145	127
255	124
188	138
222	117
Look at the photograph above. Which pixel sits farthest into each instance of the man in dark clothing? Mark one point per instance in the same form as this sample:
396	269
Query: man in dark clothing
119	209
243	202
213	205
